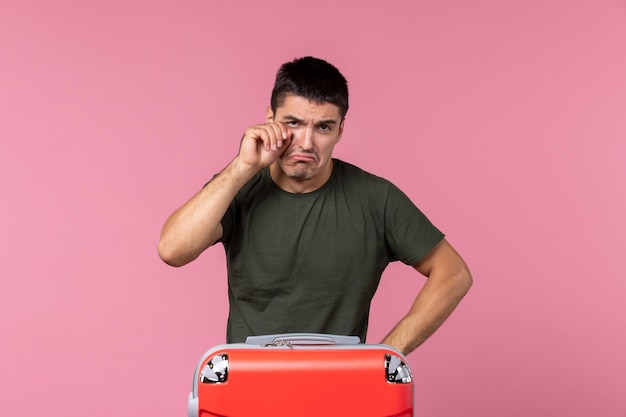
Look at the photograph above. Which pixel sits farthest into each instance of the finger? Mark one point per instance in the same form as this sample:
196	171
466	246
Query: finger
267	137
276	136
287	136
272	136
260	134
279	132
285	132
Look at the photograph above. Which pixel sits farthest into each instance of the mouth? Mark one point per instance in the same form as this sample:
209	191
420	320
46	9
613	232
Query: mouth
303	157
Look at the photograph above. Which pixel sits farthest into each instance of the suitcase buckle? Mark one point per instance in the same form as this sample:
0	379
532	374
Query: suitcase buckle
216	370
397	371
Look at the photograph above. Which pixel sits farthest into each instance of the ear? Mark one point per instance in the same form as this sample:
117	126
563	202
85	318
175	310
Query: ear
269	115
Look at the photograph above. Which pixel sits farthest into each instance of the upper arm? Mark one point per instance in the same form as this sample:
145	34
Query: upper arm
444	260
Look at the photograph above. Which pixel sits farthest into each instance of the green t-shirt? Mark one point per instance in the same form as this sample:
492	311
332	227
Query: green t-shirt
312	262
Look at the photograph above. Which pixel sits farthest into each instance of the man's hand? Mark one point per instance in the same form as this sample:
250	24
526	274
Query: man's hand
261	145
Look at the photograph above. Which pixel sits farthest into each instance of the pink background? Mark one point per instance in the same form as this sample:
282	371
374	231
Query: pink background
505	121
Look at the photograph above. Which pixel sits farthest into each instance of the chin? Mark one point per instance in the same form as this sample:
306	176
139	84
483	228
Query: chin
300	175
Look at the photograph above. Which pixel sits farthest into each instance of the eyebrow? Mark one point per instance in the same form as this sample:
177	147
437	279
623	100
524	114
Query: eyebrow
320	122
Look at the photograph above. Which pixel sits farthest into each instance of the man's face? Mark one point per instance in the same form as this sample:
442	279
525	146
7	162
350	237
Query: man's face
315	129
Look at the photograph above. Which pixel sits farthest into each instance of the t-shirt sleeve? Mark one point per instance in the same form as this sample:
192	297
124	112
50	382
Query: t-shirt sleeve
227	223
409	234
227	219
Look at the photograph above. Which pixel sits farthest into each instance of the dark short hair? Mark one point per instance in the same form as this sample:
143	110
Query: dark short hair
313	79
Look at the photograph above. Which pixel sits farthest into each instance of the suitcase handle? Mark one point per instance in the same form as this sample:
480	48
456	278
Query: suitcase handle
313	339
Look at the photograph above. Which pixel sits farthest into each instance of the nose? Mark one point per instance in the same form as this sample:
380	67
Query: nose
303	138
307	138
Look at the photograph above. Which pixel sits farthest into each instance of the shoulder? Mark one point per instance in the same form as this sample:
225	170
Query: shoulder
369	186
346	172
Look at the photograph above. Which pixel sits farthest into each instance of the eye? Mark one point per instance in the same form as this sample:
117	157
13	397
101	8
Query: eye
325	128
291	123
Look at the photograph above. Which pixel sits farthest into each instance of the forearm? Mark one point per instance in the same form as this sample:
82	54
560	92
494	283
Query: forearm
196	225
433	305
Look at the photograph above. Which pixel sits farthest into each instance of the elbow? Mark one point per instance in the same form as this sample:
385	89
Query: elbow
464	280
170	255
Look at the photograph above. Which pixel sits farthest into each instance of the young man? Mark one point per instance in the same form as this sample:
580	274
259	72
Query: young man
307	237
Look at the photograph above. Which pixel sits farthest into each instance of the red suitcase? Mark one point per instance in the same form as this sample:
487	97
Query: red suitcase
302	375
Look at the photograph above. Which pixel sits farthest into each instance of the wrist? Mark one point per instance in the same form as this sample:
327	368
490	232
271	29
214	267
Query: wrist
239	172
